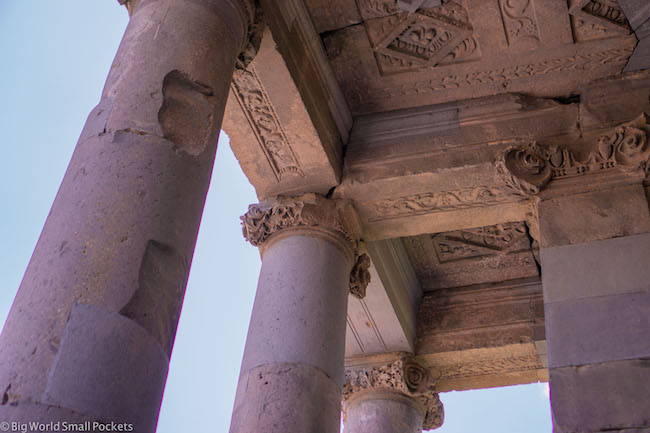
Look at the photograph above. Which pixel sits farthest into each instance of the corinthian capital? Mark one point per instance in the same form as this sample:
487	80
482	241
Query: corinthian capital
404	377
311	215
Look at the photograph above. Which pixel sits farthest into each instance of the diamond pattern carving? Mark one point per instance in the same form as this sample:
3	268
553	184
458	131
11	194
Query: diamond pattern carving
601	14
424	38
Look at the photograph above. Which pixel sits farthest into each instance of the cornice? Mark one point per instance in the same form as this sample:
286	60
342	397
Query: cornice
406	378
526	170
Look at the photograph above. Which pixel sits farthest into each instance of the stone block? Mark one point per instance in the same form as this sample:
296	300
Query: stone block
605	214
610	102
599	329
330	15
636	11
605	267
488	315
640	59
286	397
108	367
597	397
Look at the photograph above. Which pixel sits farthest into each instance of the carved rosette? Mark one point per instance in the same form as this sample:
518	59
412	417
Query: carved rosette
525	170
405	377
334	220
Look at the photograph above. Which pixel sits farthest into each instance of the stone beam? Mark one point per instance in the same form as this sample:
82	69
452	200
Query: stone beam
484	336
286	116
432	169
272	133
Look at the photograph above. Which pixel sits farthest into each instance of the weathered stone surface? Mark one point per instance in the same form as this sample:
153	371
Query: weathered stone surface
271	132
594	216
598	329
598	268
383	415
488	315
636	12
513	364
287	397
601	397
296	339
332	15
303	53
125	219
610	102
476	48
402	378
640	59
484	336
40	413
472	256
301	290
102	350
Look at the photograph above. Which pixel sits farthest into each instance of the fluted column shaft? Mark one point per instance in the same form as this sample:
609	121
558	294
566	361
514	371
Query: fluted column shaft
292	370
92	327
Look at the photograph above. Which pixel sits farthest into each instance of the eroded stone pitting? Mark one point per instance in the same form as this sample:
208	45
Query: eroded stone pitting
186	116
156	303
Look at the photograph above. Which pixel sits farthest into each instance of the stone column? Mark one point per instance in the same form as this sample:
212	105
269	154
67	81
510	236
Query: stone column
594	229
292	370
91	330
397	397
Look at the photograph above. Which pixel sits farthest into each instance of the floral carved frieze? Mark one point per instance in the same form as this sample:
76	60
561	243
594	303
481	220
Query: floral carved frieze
404	376
264	122
577	62
331	219
435	202
526	170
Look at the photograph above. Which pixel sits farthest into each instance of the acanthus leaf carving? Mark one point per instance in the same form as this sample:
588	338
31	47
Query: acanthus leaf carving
259	223
525	170
331	219
264	122
405	376
435	202
360	276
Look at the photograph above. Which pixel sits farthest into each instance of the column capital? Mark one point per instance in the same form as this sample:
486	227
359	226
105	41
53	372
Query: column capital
403	378
310	215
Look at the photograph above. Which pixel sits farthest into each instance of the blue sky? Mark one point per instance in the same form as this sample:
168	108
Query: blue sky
55	56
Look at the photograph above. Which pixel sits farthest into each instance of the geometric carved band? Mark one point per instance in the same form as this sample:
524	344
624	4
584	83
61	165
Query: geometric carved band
406	377
312	214
526	170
